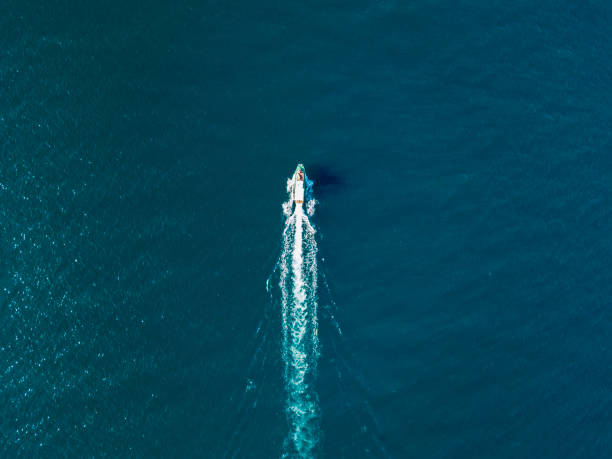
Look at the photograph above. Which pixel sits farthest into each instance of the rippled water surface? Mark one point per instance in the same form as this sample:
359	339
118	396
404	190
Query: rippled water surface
461	159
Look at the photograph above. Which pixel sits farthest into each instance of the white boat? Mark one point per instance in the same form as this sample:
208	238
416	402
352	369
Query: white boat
297	187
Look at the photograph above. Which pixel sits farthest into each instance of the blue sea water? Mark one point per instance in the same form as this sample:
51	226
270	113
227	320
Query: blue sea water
461	154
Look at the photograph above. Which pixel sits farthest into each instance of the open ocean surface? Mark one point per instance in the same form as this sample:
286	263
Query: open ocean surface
462	160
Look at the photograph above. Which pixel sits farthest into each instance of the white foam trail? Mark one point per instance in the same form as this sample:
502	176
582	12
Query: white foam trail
298	269
300	341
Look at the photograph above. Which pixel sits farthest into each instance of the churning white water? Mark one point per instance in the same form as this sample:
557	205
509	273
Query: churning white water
300	341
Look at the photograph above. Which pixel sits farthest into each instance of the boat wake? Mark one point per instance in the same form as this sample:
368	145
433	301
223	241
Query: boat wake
293	288
300	334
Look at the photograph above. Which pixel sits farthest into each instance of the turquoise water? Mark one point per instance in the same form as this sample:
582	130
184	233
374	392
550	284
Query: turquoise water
462	167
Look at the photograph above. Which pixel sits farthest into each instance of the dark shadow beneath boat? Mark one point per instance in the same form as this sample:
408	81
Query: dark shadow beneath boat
326	180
